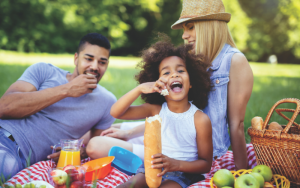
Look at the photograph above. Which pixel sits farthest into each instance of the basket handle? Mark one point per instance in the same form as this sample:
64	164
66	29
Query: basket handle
280	110
291	121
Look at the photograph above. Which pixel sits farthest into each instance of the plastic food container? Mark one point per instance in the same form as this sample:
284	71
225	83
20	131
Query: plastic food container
68	177
125	160
98	168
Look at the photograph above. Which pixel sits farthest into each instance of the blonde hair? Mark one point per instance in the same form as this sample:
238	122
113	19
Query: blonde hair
211	36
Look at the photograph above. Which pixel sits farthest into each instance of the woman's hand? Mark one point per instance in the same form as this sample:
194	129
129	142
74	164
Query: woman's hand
151	87
163	161
115	133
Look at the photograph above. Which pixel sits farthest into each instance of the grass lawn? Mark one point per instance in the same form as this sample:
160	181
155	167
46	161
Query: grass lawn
271	82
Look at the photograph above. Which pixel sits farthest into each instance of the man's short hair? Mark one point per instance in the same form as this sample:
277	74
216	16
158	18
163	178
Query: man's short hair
94	39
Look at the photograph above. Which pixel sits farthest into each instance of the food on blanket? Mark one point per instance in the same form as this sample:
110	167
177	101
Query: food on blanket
152	142
29	185
73	174
265	171
259	178
59	177
81	173
275	126
268	185
35	184
257	123
246	181
164	92
223	178
76	184
69	167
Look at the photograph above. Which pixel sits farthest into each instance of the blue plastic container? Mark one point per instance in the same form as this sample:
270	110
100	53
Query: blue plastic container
125	160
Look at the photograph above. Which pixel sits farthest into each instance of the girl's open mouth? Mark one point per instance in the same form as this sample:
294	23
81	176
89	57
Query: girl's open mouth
176	87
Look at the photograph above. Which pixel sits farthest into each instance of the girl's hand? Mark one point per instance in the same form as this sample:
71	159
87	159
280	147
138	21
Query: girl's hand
163	161
115	133
151	87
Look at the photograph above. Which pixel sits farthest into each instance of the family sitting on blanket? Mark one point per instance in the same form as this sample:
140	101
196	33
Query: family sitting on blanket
47	104
204	24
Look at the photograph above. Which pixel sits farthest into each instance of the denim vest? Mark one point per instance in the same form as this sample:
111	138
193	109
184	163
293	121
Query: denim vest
217	100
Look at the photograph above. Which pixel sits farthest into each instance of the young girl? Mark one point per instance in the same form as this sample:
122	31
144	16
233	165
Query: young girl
186	131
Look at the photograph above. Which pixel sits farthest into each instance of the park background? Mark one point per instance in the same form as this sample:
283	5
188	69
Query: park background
49	31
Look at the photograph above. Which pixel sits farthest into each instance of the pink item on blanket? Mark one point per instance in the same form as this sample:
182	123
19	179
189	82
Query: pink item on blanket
38	171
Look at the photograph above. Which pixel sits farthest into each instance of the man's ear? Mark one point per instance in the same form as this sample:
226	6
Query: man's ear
190	86
76	55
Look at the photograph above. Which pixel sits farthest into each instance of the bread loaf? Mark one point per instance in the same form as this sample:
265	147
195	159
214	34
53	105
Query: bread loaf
152	142
257	123
275	126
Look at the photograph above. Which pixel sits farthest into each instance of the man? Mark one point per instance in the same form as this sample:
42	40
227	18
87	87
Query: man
47	104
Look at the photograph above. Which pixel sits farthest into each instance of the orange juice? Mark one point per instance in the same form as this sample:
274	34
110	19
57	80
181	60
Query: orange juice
69	157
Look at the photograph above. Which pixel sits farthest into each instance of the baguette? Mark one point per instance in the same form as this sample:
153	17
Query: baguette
152	142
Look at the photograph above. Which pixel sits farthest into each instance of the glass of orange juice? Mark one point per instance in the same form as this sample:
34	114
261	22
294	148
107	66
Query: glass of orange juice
70	152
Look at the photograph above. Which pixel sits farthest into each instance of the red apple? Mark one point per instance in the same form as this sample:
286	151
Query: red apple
76	184
81	173
69	167
59	177
73	174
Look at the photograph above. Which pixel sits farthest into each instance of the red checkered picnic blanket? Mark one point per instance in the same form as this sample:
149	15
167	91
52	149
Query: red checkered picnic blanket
39	171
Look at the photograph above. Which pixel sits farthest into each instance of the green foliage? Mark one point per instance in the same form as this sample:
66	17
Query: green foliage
273	29
259	27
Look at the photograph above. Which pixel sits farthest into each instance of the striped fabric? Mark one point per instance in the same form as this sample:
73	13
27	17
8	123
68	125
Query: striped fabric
39	171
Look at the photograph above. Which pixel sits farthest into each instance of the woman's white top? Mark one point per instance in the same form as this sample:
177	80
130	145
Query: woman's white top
178	134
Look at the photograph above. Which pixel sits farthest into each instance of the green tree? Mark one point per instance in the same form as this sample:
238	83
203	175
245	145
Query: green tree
273	29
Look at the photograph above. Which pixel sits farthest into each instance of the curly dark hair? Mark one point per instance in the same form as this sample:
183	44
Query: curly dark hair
196	66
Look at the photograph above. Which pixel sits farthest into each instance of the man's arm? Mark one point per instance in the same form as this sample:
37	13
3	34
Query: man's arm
239	92
22	99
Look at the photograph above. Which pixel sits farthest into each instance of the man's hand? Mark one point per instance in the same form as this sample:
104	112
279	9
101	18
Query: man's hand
163	161
54	156
115	133
81	85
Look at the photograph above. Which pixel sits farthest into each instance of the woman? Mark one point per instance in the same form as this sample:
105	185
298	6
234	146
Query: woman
204	24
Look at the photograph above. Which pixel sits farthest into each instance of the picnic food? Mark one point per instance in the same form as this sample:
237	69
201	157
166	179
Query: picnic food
35	184
260	179
257	123
59	177
275	126
152	142
265	171
246	180
164	92
68	176
223	178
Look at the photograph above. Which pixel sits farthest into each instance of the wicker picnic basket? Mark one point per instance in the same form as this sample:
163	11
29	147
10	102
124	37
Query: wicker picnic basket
277	180
280	150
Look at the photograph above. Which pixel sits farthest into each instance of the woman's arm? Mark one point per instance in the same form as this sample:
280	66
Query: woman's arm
239	92
205	151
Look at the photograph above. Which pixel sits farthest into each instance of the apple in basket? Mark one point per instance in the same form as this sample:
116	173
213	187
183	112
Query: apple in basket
265	171
223	178
259	178
246	181
59	177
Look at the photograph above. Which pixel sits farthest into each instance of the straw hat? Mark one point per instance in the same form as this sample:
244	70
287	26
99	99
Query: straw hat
201	10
